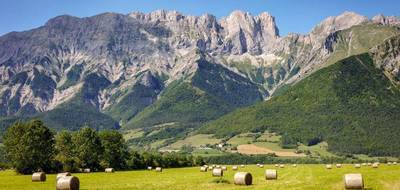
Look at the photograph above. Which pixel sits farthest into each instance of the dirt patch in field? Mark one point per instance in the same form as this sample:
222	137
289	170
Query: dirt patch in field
253	149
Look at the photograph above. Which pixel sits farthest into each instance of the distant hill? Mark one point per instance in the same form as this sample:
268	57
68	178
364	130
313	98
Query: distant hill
351	104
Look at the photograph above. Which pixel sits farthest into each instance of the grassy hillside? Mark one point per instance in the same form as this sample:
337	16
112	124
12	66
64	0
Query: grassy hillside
182	103
138	97
132	103
211	92
303	177
74	115
351	105
359	39
70	116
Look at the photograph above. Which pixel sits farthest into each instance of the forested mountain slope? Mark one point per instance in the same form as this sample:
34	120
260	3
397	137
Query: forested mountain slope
351	104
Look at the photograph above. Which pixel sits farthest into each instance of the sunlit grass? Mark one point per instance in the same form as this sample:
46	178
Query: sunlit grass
307	177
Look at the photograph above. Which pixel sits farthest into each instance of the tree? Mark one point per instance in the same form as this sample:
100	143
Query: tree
136	160
30	146
198	161
88	148
3	160
148	159
65	151
115	150
187	149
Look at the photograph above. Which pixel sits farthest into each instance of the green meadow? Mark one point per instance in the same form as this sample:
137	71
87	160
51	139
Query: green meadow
303	177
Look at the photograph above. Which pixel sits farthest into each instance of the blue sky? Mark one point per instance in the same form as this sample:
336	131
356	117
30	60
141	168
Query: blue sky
291	15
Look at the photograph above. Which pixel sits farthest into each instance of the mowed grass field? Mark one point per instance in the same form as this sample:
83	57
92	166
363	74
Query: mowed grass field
307	177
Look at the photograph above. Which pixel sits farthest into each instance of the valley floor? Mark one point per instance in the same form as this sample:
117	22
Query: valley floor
304	177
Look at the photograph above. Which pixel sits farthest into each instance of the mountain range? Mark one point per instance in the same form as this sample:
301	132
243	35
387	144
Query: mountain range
116	71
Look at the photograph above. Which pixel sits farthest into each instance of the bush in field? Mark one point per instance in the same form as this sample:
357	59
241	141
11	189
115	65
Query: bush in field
30	146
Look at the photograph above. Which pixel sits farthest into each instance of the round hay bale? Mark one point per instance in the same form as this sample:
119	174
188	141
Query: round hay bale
68	183
243	178
294	165
353	181
338	165
357	165
369	164
234	168
158	169
210	168
375	165
389	163
394	163
203	169
218	166
271	174
258	164
328	166
149	168
242	166
282	166
38	176
109	170
364	164
213	165
60	175
276	165
86	170
261	166
224	168
217	172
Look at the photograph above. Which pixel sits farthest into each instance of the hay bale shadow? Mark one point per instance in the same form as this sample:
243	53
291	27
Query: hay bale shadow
221	180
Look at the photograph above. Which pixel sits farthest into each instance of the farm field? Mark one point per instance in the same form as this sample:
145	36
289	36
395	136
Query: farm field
253	149
196	141
303	177
244	143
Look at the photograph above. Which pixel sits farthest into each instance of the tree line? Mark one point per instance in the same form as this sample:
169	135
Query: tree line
31	146
234	158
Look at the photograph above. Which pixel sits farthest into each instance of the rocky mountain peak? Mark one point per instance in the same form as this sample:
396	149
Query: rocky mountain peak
158	15
340	22
61	20
247	33
164	15
239	20
385	20
335	23
268	23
